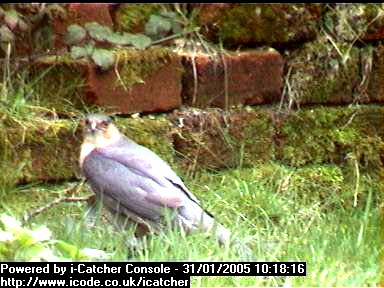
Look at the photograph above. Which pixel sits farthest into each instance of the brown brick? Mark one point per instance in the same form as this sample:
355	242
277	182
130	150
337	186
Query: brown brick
253	77
209	13
155	90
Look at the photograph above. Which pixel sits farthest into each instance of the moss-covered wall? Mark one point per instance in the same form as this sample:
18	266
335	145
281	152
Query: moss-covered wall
317	135
48	150
42	150
256	24
332	135
329	59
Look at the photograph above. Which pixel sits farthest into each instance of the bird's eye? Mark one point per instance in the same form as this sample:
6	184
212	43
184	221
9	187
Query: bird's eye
87	122
104	124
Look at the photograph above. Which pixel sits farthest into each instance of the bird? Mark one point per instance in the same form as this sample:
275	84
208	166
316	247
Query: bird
134	181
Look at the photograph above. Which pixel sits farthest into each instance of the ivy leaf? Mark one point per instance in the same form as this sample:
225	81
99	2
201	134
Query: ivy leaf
157	26
97	31
75	34
173	19
140	41
11	18
103	58
118	39
81	52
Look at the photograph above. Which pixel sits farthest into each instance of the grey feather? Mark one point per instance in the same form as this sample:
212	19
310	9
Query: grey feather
146	163
109	178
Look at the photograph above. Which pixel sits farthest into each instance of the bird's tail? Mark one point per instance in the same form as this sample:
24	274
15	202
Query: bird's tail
226	238
223	235
196	219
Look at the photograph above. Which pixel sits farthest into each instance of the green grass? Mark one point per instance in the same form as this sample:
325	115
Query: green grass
281	213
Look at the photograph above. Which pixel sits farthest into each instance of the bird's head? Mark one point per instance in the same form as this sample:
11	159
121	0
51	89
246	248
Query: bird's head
99	130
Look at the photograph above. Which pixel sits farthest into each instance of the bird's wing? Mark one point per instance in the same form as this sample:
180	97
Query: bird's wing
146	163
130	189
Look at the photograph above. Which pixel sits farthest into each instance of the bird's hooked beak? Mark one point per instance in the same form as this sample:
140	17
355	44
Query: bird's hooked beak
93	129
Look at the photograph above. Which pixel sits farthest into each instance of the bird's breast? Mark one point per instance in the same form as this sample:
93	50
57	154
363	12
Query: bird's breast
86	149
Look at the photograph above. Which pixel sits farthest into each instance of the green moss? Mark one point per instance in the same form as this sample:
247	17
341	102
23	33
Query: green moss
135	65
38	151
247	24
332	135
354	21
323	135
320	75
256	142
132	17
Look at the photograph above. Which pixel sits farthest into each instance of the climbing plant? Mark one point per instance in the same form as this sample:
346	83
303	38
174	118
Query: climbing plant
90	40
